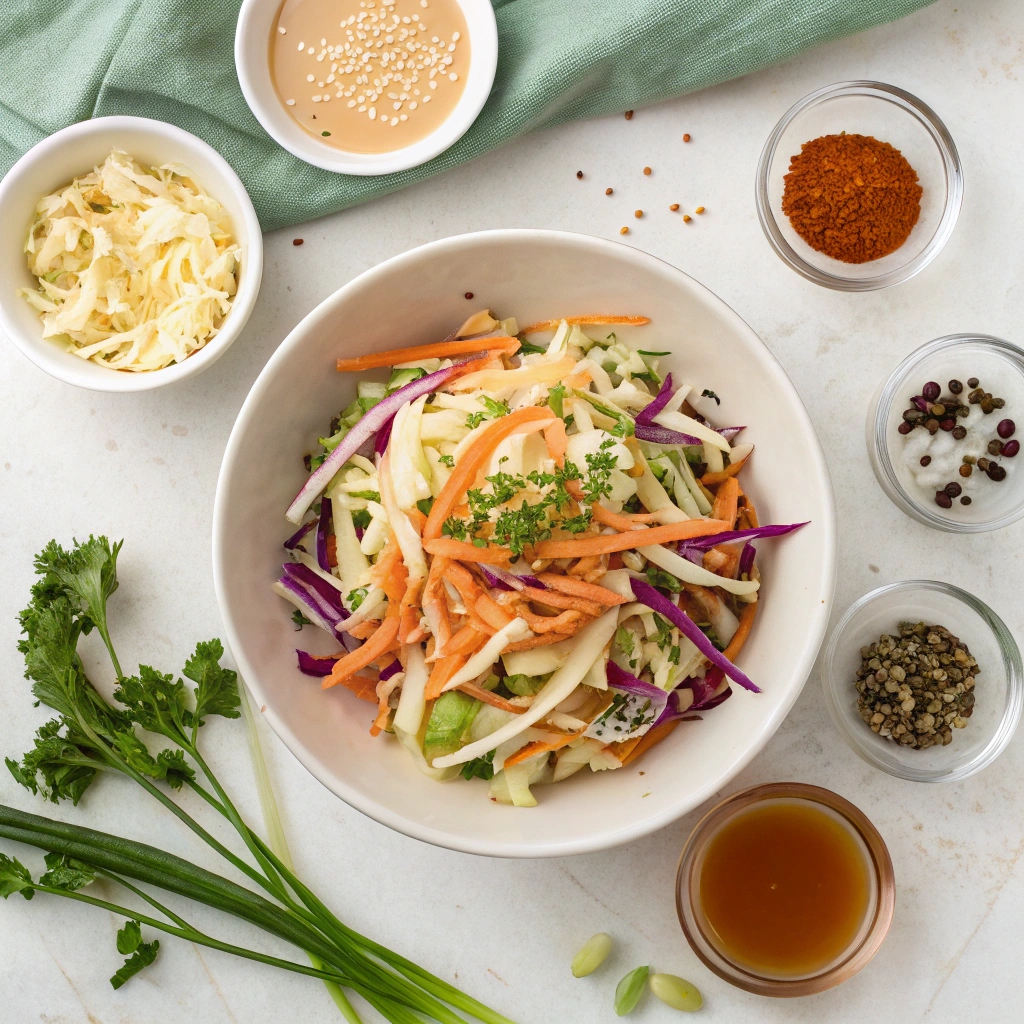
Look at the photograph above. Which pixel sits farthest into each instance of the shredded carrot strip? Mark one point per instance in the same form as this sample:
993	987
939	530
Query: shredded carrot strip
739	638
417	518
748	505
556	440
491	612
409	612
711	479
545	639
496	380
608	542
467	639
591	564
726	499
364	687
463	551
443	670
435	599
649	739
472	690
368	653
364	629
589	591
438	350
550	624
555	599
550	325
462	580
539	747
383	711
473	460
600	513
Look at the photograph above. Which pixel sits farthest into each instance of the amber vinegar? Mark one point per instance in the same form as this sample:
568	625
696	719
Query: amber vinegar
786	888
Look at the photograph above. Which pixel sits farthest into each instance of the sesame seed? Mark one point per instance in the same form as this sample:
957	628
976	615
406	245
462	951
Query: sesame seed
623	231
282	29
674	207
290	103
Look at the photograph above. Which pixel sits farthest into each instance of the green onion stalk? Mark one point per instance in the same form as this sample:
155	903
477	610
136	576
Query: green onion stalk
91	736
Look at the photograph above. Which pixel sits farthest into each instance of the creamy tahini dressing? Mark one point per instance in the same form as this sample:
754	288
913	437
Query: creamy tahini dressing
369	76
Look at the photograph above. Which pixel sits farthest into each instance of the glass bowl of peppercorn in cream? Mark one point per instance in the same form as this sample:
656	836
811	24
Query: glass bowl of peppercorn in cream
942	434
859	186
924	681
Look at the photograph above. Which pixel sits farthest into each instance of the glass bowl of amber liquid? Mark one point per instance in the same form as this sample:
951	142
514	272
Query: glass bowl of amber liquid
785	890
890	115
998	680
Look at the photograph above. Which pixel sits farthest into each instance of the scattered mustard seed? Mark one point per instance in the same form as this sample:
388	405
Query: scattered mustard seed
686	137
674	207
629	115
638	214
623	231
607	191
686	218
469	295
700	209
579	174
297	241
647	170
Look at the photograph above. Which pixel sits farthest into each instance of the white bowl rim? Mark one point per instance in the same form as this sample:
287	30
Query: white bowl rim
241	307
437	837
277	123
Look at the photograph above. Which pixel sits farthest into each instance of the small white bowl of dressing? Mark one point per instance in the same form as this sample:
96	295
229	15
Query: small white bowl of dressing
366	86
72	153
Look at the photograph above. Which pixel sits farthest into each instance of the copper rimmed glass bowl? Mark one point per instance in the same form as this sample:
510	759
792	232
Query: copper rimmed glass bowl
890	115
877	917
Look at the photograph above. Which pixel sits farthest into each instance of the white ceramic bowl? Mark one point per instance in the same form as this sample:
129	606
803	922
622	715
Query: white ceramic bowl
252	63
74	151
418	297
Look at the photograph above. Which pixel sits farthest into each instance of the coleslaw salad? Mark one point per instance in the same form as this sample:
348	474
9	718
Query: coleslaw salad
534	551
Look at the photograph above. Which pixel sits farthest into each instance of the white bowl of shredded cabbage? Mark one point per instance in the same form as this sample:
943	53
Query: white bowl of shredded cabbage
131	257
536	277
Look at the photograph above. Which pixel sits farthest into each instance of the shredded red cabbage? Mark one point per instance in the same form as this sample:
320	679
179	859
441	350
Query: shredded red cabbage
306	577
380	442
502	579
316	664
729	432
395	666
363	431
326	518
747	559
706	543
620	679
314	608
662	435
646	594
296	538
665	392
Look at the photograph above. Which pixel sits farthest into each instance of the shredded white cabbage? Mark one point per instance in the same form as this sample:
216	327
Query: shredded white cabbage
137	267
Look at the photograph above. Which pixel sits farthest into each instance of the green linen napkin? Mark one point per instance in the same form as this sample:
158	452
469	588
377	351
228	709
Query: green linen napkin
67	60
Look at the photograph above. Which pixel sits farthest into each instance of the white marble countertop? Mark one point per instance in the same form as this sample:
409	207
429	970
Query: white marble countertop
144	468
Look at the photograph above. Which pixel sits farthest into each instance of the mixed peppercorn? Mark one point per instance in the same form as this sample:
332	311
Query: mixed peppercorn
933	411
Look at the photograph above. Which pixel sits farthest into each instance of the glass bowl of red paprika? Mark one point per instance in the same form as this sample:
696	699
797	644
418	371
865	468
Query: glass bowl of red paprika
859	186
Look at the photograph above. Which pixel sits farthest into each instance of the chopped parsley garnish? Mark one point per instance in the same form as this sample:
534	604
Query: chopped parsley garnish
300	620
706	393
454	527
659	578
425	505
625	640
555	396
494	410
366	495
527	348
663	638
479	767
447	460
361	518
356	597
645	352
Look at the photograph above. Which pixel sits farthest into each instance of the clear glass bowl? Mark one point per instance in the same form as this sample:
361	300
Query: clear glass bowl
999	687
877	917
890	115
999	365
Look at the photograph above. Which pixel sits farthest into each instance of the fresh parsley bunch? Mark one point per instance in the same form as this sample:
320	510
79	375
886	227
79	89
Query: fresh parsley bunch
91	735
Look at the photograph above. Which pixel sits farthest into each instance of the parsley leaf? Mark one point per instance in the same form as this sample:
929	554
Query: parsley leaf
356	597
659	578
663	638
479	767
555	397
300	620
625	640
15	877
360	520
366	495
454	527
216	692
65	872
447	460
129	941
706	393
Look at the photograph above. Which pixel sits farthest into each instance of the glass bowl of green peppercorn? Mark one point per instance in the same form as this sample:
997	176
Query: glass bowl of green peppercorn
924	681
